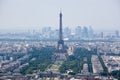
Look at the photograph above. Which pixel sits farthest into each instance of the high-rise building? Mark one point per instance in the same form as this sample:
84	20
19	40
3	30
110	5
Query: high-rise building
54	34
85	32
90	32
117	33
46	32
46	29
102	35
67	32
78	32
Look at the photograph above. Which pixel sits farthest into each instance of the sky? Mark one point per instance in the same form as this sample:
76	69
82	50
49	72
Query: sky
24	15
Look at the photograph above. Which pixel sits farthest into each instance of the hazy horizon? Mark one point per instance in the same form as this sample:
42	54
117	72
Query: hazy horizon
24	15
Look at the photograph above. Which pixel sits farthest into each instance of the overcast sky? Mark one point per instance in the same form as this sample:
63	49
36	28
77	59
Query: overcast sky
26	15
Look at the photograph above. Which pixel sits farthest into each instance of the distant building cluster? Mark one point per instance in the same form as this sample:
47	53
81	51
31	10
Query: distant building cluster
78	33
108	47
48	33
102	47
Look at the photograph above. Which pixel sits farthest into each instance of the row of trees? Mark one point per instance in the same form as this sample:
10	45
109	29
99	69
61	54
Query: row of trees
105	69
42	58
75	62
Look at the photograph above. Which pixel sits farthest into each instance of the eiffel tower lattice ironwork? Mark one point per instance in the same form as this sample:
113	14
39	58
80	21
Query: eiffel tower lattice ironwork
60	46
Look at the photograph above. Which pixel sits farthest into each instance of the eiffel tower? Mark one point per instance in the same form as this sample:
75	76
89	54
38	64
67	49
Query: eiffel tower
60	46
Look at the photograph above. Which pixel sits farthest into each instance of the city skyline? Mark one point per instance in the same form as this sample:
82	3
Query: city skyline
23	15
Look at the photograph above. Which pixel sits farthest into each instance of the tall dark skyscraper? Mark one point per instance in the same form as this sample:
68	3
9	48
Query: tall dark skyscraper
60	46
